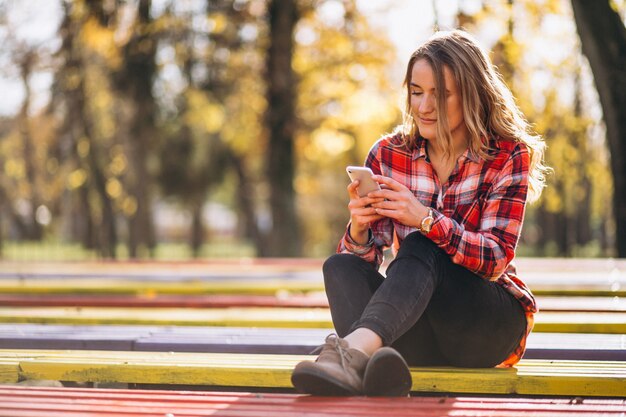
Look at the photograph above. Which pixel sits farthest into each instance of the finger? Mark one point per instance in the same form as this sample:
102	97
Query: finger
375	200
386	204
392	214
368	200
352	192
363	211
357	204
367	220
386	194
389	182
363	202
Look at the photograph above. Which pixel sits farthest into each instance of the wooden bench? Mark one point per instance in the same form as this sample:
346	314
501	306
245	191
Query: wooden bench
553	322
606	269
85	286
18	401
571	346
246	283
530	377
579	303
164	269
309	300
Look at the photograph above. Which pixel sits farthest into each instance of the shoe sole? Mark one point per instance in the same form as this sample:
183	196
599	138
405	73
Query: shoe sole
387	375
311	381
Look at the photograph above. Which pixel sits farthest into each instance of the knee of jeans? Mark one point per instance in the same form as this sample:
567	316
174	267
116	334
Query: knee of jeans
337	265
417	244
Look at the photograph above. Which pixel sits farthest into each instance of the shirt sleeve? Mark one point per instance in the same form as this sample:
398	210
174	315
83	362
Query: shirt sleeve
488	250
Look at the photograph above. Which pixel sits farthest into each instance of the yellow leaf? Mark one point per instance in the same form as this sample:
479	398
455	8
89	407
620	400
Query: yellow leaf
76	178
15	168
83	147
114	188
118	164
100	40
217	23
129	206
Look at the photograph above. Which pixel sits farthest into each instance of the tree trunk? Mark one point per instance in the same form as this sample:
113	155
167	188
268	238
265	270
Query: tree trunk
583	215
245	204
108	232
136	80
280	119
583	208
603	38
27	61
1	234
197	227
561	234
79	119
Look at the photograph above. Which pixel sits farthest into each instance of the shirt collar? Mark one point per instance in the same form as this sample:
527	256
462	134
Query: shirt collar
494	143
420	148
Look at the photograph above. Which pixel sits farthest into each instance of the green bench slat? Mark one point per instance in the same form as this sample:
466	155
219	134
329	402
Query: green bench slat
553	322
530	377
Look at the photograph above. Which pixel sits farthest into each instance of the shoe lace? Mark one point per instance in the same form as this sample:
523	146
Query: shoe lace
335	343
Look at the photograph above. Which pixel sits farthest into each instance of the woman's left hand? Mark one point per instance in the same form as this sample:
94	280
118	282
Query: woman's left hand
400	204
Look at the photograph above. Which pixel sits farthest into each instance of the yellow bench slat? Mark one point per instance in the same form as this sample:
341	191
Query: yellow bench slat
9	370
555	322
531	377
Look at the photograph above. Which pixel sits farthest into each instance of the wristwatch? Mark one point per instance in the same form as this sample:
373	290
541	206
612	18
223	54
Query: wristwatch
427	222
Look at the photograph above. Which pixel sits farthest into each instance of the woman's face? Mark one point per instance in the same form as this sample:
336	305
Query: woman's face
422	89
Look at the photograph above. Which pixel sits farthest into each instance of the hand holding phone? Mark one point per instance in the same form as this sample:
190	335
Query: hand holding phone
364	175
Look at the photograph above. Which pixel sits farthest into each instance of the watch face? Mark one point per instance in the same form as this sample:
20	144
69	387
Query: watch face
428	224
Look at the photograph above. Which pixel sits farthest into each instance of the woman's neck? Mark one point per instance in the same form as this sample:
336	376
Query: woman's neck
435	150
443	164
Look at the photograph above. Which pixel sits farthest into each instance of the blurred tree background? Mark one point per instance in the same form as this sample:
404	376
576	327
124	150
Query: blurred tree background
213	128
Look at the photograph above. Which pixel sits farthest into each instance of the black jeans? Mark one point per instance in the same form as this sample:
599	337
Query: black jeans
431	310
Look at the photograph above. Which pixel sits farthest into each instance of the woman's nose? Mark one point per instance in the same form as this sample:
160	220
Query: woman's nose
427	104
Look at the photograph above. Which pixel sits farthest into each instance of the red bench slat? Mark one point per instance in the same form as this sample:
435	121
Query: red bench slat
313	300
191	301
74	402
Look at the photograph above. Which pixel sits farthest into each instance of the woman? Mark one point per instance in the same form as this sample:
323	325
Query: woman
455	180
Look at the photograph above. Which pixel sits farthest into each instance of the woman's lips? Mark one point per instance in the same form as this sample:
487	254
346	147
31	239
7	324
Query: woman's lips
427	121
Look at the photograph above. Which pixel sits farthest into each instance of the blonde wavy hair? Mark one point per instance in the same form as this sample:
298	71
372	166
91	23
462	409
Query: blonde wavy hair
489	108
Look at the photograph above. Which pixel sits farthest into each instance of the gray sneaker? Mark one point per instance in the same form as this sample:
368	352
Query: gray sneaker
337	371
387	375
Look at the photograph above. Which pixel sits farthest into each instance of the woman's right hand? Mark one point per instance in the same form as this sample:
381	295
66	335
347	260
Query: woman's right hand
362	214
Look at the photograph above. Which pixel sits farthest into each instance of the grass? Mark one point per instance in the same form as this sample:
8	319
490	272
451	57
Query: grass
64	251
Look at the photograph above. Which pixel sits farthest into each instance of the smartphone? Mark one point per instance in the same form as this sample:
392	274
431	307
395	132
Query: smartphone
364	175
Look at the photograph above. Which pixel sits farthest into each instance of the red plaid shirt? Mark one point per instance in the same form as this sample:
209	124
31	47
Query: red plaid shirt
478	212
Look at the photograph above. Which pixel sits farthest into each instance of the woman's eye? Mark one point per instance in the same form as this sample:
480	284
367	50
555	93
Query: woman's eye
416	93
